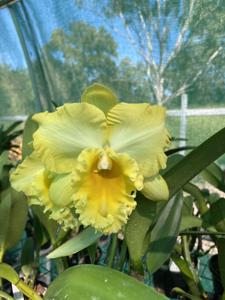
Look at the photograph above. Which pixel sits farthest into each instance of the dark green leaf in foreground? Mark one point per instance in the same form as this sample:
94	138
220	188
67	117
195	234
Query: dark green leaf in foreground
177	175
137	228
195	162
164	233
81	241
91	282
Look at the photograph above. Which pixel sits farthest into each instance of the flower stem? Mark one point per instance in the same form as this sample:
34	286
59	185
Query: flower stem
194	286
5	296
113	247
8	273
193	190
123	253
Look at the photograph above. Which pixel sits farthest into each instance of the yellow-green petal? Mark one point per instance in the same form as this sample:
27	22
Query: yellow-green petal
61	191
100	96
139	130
36	182
63	134
23	179
156	189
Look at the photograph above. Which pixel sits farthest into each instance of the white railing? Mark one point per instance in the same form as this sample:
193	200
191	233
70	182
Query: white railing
13	118
183	113
198	112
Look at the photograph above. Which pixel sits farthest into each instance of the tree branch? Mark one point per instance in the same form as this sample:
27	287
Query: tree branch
180	37
186	85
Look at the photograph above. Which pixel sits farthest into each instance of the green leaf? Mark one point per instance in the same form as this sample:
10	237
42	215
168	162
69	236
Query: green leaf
30	127
81	241
50	225
13	214
6	296
221	259
184	294
18	218
5	205
4	160
13	126
164	233
8	273
87	282
215	216
100	96
195	162
27	256
188	222
92	252
183	266
215	176
137	228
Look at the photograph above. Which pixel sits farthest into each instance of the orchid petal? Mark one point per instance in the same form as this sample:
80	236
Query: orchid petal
139	131
105	198
39	185
156	189
63	134
100	96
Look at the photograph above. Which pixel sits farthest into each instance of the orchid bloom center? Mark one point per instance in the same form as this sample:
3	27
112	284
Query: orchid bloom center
105	162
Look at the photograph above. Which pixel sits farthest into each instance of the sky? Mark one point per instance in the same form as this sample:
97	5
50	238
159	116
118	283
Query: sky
49	15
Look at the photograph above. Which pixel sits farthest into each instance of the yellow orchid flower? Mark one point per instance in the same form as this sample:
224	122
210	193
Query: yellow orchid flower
90	158
53	191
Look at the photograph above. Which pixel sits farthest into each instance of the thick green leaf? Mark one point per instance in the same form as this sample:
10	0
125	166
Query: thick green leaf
164	233
91	282
195	162
29	129
137	228
100	96
81	241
